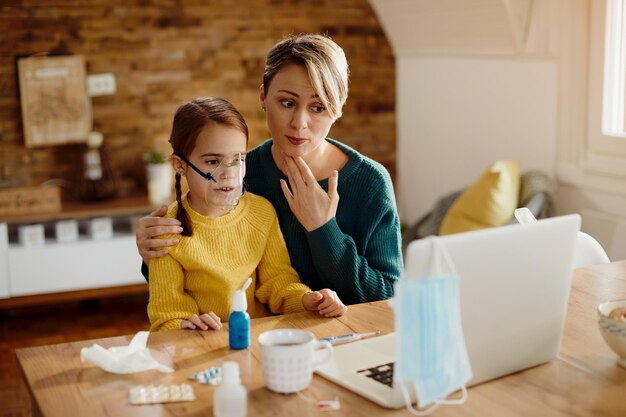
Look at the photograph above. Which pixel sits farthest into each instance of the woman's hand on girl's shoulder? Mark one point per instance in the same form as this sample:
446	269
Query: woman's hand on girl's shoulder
326	302
206	321
152	225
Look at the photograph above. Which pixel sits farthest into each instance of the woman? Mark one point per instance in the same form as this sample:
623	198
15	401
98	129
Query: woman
350	245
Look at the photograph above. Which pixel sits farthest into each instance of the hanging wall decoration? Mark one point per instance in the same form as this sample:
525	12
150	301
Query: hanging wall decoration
56	108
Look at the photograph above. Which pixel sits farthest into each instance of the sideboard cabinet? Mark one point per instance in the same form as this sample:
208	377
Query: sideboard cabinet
89	260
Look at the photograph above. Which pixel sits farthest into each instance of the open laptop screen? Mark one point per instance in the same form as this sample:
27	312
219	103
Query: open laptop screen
514	287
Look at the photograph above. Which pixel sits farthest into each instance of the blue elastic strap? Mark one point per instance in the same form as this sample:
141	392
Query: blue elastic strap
206	176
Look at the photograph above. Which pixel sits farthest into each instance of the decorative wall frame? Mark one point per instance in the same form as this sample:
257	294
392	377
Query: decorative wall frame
56	108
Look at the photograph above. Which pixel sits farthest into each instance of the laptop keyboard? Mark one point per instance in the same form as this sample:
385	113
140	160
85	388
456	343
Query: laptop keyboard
381	373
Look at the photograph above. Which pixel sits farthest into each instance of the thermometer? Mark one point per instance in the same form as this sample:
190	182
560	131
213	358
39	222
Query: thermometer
350	337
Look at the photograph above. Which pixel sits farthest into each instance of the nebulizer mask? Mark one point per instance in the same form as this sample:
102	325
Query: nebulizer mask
431	354
224	186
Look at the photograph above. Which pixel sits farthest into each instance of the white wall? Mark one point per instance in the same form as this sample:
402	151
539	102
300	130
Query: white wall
457	116
471	103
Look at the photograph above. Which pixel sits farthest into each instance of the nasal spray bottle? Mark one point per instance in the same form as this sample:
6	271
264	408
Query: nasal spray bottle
239	319
230	398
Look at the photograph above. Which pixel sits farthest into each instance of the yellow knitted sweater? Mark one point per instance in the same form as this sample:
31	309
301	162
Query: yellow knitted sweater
202	271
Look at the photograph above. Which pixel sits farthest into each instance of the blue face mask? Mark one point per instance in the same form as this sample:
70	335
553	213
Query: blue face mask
431	351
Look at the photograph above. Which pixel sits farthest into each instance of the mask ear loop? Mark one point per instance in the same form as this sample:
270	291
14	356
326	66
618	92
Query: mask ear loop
440	258
413	410
436	405
457	401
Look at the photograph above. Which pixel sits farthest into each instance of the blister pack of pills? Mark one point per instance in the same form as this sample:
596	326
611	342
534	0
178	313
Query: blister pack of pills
154	394
210	376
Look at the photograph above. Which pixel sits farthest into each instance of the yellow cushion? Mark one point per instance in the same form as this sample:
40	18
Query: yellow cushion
489	202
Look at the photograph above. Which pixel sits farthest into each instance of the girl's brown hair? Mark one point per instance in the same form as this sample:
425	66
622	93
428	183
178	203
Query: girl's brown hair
189	120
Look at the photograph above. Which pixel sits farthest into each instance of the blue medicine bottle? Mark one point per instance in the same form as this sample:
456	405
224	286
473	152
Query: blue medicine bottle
239	319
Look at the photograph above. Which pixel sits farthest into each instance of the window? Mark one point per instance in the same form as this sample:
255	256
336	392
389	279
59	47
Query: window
614	89
605	145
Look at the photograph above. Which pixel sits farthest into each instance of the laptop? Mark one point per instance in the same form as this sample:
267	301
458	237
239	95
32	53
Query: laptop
514	289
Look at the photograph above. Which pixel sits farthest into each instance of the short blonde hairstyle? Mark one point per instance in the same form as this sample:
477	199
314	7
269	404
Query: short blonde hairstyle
323	59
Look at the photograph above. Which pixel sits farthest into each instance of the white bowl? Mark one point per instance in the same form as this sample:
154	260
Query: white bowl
613	330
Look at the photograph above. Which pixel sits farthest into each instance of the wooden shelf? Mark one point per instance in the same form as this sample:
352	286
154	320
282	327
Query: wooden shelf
30	300
79	210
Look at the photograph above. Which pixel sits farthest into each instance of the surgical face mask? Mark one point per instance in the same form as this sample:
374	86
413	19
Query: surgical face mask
431	353
224	186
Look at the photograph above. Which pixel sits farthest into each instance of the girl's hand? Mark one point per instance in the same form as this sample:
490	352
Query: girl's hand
311	205
205	321
325	301
155	225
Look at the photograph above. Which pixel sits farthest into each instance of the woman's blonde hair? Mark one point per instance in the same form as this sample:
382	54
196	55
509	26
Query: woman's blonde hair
323	59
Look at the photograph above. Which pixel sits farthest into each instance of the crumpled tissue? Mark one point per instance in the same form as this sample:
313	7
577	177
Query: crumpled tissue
124	359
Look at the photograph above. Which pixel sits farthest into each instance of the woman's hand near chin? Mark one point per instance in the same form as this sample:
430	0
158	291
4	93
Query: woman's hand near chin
312	206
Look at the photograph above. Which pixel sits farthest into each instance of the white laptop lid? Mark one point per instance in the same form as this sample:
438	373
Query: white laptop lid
514	286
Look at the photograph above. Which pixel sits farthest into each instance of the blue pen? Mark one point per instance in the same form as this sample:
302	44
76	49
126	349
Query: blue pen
350	337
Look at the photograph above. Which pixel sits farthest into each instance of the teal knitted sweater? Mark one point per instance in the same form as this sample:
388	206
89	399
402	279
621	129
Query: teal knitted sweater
357	253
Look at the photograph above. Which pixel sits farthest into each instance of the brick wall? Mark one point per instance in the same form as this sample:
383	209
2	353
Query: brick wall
165	52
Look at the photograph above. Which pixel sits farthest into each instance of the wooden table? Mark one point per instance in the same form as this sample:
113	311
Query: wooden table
583	381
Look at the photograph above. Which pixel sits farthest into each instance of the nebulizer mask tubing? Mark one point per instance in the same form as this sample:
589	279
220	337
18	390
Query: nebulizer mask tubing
224	182
432	357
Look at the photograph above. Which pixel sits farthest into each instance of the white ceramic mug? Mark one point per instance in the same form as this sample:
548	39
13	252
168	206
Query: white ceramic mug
287	356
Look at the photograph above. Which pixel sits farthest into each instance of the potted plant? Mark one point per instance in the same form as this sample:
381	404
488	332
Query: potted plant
159	177
155	157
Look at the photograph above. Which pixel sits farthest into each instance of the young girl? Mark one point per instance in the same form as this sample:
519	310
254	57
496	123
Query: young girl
225	237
